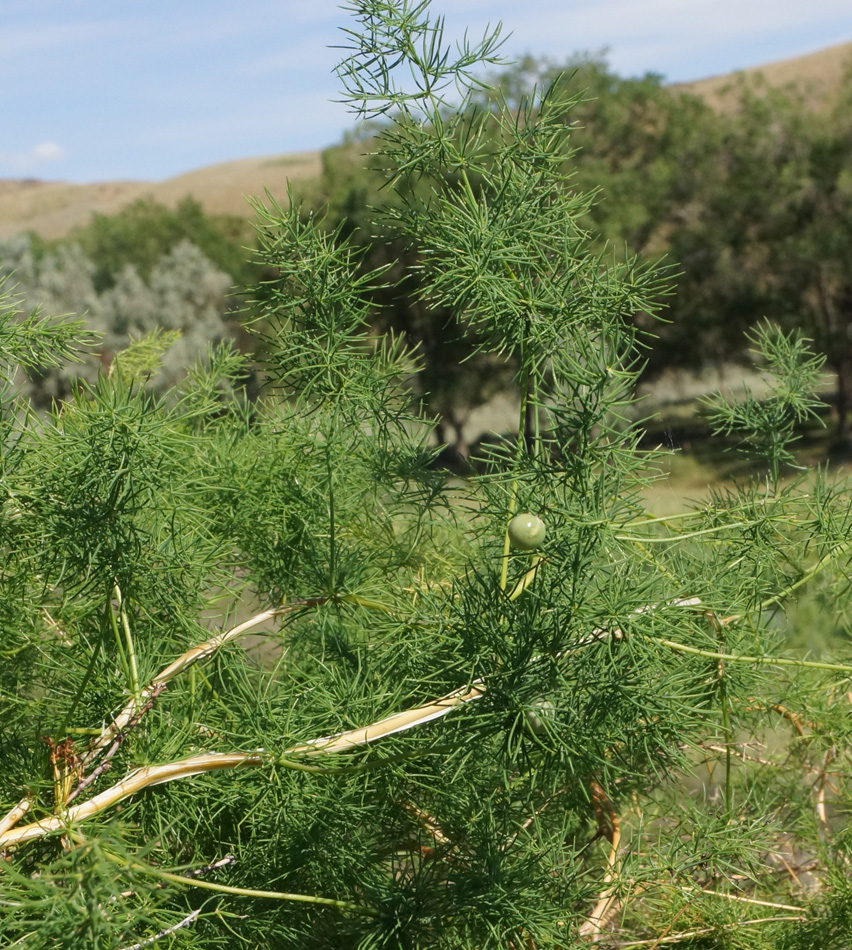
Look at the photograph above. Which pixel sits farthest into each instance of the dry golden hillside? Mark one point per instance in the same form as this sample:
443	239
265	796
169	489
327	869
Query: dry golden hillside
818	75
52	209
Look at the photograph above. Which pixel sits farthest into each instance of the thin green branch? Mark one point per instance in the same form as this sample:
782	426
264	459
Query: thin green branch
737	658
128	640
248	891
527	580
809	575
685	537
519	448
120	648
252	892
695	513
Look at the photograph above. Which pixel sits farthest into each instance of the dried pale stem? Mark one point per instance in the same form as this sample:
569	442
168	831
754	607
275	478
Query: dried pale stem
668	929
609	824
150	775
822	780
64	764
183	662
701	932
116	745
15	814
743	755
793	718
428	822
165	933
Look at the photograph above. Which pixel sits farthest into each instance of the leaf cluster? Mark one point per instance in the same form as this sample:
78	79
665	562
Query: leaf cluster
270	678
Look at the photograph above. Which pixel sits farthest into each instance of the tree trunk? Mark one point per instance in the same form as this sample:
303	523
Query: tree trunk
842	366
836	314
455	455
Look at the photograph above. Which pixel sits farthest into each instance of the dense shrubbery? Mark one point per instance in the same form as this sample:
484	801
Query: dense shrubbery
184	293
752	203
144	268
445	736
143	233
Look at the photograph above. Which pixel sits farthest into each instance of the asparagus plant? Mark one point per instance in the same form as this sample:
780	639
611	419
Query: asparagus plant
272	679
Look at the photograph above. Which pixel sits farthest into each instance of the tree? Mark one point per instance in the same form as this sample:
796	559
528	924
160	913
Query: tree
643	147
650	156
184	293
774	235
463	730
144	232
809	235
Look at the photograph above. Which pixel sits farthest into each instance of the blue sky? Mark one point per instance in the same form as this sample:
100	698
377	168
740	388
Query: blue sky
95	90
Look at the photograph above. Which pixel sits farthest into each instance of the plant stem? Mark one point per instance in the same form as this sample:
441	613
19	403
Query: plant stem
332	538
528	578
726	713
368	766
251	892
149	775
736	658
119	646
364	602
820	564
128	639
519	448
63	727
684	537
246	891
187	660
726	729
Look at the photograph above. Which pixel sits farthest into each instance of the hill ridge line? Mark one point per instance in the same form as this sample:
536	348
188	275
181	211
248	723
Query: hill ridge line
53	208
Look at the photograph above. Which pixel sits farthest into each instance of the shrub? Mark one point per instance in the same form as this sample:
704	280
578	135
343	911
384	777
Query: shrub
441	740
184	293
141	234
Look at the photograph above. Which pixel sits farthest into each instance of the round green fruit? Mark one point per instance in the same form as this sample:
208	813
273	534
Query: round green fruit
526	532
537	718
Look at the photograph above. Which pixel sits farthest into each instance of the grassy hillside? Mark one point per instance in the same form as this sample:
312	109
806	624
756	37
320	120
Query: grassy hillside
52	209
818	75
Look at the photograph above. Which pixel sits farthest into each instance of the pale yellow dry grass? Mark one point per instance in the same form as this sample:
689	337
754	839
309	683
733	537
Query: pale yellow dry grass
52	208
818	75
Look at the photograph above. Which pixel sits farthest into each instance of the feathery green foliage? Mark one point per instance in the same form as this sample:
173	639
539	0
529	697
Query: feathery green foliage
422	737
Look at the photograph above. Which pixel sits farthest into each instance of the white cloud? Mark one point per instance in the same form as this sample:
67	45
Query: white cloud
48	152
21	163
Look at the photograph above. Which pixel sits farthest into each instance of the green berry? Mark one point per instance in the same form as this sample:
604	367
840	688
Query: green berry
537	718
526	531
